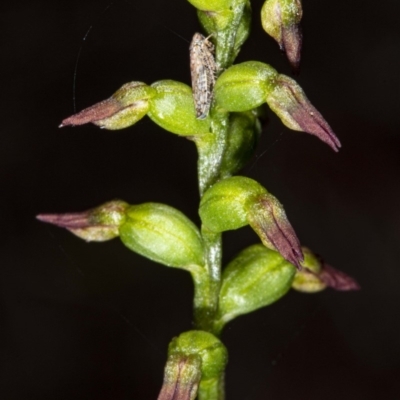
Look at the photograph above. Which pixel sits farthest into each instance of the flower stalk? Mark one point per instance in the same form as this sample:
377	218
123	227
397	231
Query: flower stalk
221	115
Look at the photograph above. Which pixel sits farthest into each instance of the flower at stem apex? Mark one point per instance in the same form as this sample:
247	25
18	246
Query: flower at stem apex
281	20
96	225
290	103
268	218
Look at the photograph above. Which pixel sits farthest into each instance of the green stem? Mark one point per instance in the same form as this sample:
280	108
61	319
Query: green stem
211	149
225	49
206	303
211	152
212	389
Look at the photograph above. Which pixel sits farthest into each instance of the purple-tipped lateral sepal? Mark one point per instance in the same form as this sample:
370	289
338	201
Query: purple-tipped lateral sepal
268	218
95	113
316	275
95	225
336	279
292	106
124	108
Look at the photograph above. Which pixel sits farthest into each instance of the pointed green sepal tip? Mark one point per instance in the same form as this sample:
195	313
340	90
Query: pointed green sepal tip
316	276
173	109
210	349
237	201
123	109
255	278
95	225
162	234
281	20
244	86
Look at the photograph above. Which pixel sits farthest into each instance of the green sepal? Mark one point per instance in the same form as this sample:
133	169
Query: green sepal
213	22
172	108
212	351
225	205
133	91
256	278
244	132
162	234
307	280
244	86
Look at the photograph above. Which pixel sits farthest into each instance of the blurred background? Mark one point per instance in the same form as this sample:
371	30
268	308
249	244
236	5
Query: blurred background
93	321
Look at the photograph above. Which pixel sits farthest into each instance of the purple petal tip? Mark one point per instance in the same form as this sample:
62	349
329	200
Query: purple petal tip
338	280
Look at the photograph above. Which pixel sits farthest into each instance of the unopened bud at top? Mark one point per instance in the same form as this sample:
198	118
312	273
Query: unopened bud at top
281	20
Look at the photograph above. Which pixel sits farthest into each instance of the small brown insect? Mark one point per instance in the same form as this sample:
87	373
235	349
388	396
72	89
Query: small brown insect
203	69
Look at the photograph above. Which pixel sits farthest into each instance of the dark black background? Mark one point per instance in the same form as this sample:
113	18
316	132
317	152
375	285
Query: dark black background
93	321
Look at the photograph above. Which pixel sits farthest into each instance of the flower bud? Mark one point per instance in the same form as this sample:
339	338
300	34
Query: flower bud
173	109
237	201
281	20
162	234
124	108
244	132
290	103
212	352
96	225
255	278
316	276
181	378
244	86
